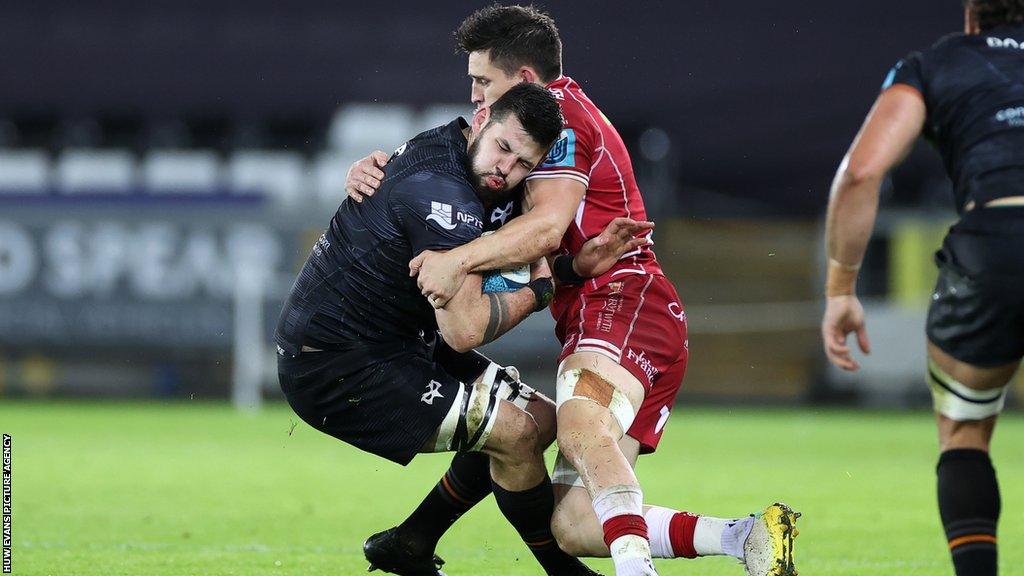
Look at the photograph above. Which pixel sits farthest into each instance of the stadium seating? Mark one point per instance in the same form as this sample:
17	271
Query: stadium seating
366	127
438	114
96	171
182	171
279	175
24	171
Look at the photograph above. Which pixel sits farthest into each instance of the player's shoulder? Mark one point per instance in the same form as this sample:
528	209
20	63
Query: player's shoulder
438	151
434	182
578	111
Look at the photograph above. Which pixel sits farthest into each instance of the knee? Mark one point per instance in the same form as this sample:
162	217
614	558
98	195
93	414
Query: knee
522	442
576	438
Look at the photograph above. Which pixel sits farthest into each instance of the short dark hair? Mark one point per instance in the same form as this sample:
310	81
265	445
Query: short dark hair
994	13
535	108
515	36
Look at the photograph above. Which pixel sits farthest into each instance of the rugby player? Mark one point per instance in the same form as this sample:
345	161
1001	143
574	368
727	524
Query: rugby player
965	94
622	327
357	353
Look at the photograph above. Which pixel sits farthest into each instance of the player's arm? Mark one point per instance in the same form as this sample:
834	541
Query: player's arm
472	318
888	133
552	204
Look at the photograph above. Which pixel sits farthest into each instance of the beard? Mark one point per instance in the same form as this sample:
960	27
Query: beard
489	196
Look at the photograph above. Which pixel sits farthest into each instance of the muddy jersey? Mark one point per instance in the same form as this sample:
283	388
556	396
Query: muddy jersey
355	289
973	88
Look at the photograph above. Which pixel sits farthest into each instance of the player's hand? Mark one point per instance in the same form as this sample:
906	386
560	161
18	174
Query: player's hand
601	252
843	315
364	175
439	276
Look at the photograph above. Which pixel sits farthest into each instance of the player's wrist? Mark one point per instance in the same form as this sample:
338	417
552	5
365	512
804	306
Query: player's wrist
841	279
543	292
565	270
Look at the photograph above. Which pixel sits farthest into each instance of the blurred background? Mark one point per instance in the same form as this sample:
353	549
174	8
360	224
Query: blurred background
165	167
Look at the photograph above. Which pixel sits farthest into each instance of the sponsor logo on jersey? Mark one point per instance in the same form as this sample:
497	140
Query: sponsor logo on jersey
557	93
677	311
643	362
442	214
994	42
501	214
563	153
1012	116
433	391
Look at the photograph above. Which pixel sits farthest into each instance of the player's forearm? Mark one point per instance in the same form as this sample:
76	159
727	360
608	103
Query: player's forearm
482	319
852	209
520	242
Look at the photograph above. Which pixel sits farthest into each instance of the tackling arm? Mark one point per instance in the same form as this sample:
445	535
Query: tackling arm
551	205
473	319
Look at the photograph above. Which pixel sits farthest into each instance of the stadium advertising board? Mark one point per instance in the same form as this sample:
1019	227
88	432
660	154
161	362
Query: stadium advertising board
118	273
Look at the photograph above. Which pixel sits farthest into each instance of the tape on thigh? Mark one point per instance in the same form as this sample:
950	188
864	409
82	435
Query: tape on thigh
583	384
468	424
958	402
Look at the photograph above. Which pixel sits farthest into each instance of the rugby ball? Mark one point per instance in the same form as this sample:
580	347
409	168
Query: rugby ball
507	280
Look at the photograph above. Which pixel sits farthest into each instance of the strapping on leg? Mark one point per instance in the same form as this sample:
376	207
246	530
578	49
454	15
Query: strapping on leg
958	402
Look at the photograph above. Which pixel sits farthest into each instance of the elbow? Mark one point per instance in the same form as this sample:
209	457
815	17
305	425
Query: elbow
856	175
461	341
550	239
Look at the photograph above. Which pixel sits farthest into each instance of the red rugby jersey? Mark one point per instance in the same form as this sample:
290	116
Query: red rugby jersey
591	151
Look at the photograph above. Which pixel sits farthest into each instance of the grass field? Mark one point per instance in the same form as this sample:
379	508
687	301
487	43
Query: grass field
106	489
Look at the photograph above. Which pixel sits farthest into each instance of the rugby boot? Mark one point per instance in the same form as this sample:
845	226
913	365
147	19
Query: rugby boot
386	551
768	549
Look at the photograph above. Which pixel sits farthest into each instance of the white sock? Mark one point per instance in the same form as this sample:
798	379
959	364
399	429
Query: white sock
711	536
632	556
630	553
721	536
658	520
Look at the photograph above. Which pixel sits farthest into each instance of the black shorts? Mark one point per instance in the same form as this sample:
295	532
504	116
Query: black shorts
977	308
386	400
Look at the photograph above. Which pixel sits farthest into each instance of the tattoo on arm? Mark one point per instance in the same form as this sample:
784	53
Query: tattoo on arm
498	322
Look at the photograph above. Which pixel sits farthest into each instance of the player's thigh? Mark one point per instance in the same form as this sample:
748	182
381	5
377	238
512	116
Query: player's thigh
487	412
957	430
974	377
592	388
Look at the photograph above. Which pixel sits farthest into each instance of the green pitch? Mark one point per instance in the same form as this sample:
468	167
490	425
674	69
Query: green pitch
107	489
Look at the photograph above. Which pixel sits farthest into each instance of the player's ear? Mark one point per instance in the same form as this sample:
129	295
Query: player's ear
526	74
480	118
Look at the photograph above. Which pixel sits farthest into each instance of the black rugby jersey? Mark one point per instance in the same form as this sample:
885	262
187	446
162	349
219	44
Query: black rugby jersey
973	88
354	288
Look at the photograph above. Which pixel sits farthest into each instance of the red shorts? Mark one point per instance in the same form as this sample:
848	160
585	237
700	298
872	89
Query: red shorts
639	322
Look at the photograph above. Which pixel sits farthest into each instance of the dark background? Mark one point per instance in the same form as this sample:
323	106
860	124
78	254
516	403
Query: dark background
760	99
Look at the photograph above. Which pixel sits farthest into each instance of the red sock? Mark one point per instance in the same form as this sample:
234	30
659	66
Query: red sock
626	525
680	534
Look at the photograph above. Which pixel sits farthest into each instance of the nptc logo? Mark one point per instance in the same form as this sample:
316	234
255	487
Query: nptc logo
442	214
